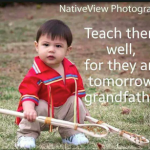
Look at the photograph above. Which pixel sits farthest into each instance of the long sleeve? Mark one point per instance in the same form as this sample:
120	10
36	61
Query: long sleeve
81	90
29	90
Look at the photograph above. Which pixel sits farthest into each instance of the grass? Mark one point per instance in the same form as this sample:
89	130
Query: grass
16	57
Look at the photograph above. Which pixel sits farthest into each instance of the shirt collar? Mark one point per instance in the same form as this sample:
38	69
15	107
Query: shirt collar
39	66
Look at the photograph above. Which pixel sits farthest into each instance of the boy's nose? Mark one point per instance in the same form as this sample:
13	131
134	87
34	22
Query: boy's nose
51	49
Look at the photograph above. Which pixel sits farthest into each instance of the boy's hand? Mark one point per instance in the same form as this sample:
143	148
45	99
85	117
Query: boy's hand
30	115
29	111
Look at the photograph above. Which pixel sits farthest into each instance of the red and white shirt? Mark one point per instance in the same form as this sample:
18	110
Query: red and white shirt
34	85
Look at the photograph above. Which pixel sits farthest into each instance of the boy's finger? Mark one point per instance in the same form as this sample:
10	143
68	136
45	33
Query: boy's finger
25	115
34	117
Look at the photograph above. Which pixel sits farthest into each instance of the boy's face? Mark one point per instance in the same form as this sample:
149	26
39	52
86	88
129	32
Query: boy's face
52	52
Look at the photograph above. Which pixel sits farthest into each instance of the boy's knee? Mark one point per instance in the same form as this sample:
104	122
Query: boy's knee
42	108
82	110
72	100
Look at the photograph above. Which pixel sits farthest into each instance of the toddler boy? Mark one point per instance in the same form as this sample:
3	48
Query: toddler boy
50	86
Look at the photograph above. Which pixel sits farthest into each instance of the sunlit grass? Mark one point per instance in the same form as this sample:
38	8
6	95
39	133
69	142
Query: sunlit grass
16	57
137	122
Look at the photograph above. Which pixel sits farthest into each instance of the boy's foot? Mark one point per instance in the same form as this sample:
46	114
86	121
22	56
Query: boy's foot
25	142
76	139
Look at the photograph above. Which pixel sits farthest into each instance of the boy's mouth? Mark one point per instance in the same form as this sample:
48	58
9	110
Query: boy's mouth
51	57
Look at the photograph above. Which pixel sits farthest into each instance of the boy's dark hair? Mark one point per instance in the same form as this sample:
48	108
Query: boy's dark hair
55	28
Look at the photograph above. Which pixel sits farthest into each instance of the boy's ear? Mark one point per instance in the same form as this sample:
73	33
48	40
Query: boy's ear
36	45
69	49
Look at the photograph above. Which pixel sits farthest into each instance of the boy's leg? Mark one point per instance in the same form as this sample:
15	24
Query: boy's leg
66	112
32	129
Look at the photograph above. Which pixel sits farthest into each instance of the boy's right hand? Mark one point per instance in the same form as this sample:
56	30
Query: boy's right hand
30	115
29	111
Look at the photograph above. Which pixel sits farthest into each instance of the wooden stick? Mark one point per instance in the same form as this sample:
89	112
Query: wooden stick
137	139
89	129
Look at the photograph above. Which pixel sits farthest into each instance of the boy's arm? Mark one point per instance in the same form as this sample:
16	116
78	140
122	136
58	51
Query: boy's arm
29	111
81	92
87	111
29	97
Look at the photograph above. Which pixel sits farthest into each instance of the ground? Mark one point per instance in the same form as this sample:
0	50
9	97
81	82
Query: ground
18	27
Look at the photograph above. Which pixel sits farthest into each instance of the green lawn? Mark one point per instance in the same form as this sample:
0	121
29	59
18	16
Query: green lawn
17	51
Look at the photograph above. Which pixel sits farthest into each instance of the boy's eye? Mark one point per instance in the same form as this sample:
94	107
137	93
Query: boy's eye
58	46
46	44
